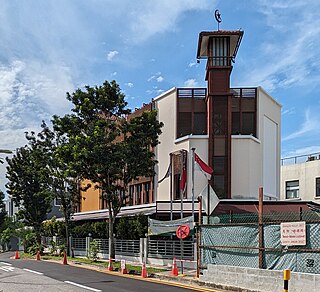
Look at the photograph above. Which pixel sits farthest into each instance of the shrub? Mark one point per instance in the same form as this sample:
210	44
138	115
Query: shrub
93	250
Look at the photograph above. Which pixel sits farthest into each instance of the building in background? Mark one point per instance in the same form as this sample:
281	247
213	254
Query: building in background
300	178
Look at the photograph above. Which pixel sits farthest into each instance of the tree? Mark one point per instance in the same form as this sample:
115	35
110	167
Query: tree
106	147
3	212
29	179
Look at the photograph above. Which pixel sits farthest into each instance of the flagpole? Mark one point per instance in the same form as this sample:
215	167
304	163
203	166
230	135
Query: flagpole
171	204
181	191
192	181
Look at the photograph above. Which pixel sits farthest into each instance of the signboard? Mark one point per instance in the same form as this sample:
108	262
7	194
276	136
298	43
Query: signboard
293	233
157	227
183	231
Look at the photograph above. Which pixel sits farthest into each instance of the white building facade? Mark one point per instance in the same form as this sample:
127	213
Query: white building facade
255	157
300	178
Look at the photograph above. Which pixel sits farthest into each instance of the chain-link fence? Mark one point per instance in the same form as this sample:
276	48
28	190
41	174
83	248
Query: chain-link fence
239	240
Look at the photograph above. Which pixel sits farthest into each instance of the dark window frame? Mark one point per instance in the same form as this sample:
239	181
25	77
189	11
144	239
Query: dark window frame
195	95
317	194
292	189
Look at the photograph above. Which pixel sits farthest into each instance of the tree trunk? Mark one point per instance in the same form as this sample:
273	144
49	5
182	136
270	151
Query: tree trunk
67	235
112	252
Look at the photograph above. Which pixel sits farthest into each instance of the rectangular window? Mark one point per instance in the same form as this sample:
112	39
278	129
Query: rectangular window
191	112
248	124
317	186
292	189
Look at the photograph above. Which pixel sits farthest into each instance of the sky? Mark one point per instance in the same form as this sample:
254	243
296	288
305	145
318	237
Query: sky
51	47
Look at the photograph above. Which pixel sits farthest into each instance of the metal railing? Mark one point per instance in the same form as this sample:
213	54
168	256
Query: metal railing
168	249
79	243
161	249
300	158
103	245
127	247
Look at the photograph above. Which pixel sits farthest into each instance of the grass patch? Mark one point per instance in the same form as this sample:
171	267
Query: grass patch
134	269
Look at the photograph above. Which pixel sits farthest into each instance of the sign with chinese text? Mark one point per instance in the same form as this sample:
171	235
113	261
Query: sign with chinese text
293	233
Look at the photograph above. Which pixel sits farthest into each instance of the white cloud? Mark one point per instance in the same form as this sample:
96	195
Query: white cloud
111	55
156	77
191	83
289	55
191	64
160	79
309	126
288	111
129	84
150	17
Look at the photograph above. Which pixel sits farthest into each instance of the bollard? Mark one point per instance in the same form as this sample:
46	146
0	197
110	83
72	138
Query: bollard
286	278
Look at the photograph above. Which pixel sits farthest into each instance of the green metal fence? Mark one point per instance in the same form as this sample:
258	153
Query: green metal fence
233	240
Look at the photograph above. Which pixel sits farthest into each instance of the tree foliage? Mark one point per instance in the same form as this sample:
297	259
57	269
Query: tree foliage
3	212
29	179
105	147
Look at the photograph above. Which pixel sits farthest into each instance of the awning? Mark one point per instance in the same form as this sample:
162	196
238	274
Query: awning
146	209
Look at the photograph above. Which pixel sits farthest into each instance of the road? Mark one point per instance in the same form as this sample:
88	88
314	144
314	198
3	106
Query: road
31	275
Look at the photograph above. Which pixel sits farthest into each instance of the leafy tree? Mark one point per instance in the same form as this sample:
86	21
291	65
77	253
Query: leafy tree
3	212
29	180
105	147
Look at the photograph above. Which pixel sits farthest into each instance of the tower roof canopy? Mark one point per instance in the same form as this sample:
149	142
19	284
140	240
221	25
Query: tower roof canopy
204	36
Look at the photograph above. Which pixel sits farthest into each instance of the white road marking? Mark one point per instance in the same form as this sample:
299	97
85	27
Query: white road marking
7	269
4	263
82	286
32	271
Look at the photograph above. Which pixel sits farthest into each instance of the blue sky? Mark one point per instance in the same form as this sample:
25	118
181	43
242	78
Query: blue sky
50	47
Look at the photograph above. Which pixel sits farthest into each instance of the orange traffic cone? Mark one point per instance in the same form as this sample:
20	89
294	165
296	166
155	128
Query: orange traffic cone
123	267
144	273
174	271
65	262
38	255
16	257
110	268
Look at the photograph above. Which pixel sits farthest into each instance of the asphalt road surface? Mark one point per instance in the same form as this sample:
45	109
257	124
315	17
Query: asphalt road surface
31	275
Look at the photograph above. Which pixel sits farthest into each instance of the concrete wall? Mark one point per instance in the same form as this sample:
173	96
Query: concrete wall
246	167
269	133
259	280
255	161
306	173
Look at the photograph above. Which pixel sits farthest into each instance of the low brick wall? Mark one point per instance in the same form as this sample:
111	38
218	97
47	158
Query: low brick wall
250	279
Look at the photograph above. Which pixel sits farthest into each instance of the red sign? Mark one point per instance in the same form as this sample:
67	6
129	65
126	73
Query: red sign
183	231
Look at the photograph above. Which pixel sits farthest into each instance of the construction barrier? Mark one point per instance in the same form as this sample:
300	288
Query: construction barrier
38	255
144	273
110	268
174	270
65	261
123	267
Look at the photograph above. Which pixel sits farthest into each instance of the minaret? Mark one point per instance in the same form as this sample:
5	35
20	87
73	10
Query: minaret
219	48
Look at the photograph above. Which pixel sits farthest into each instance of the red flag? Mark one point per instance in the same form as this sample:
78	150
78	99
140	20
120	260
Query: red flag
203	166
183	180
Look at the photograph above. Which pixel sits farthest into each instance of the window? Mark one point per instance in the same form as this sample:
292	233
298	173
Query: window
244	113
292	189
191	112
317	186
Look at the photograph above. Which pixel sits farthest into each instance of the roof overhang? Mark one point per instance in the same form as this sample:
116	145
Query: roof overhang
204	37
147	209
